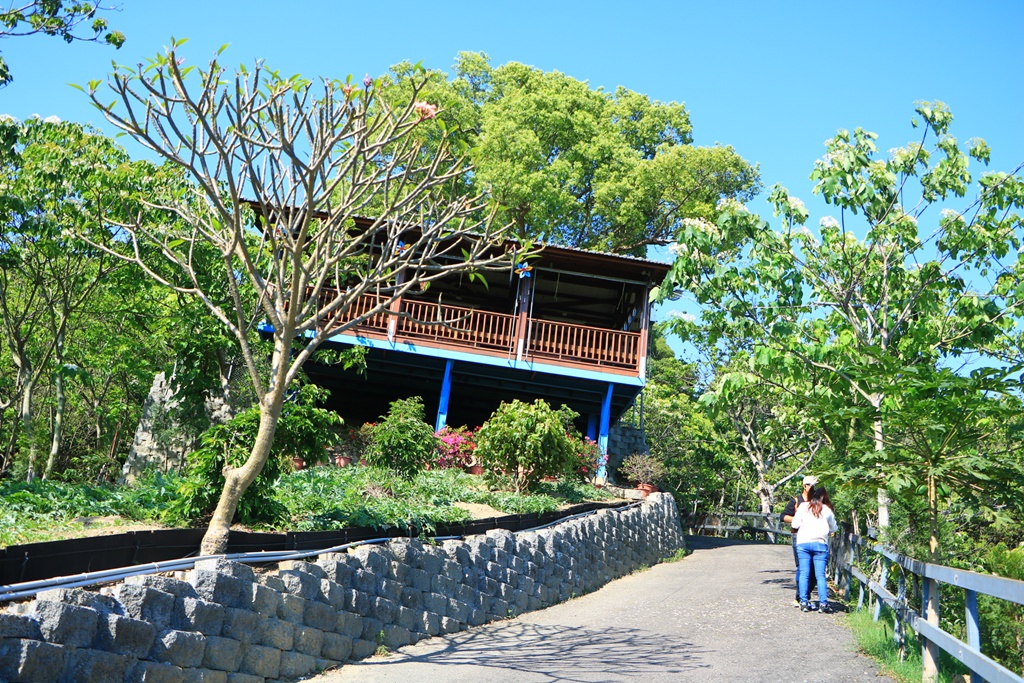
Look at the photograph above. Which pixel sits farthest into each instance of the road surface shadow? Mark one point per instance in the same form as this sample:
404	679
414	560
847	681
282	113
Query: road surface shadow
558	653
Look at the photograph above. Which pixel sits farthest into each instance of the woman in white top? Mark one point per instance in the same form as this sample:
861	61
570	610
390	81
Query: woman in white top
814	521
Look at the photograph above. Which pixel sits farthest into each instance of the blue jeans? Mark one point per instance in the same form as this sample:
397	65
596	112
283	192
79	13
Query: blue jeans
812	554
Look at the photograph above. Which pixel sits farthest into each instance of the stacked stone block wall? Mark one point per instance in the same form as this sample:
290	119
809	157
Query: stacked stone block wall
624	441
223	622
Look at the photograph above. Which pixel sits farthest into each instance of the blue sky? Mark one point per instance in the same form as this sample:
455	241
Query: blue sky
773	79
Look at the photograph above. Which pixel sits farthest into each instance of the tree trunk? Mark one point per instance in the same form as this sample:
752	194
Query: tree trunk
58	416
58	426
238	479
883	493
28	435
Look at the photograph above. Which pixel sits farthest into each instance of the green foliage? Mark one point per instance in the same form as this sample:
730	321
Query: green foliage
526	441
875	639
1002	622
39	510
402	440
303	431
55	18
314	499
580	166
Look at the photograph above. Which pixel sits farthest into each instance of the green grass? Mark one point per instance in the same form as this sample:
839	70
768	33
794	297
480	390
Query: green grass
315	499
875	639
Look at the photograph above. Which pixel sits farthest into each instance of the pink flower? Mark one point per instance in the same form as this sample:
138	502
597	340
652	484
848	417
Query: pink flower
367	81
347	90
425	110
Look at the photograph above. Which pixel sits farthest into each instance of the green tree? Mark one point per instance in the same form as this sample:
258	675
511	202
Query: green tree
56	18
859	313
54	178
579	166
312	157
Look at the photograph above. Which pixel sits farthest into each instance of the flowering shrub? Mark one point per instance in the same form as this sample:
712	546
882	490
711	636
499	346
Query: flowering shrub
586	457
455	447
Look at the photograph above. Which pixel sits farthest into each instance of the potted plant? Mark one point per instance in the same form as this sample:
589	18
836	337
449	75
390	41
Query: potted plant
644	469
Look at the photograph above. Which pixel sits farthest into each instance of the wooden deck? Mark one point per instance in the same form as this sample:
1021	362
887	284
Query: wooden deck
497	334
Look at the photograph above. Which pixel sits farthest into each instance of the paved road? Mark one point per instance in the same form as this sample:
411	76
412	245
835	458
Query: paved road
721	614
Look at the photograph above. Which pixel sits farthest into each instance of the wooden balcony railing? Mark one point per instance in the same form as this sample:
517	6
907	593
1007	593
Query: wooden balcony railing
495	334
582	344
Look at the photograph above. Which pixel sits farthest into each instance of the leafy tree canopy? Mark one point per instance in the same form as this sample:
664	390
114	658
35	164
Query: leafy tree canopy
578	166
56	18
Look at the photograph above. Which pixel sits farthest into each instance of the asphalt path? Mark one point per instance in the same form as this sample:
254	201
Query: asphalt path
723	613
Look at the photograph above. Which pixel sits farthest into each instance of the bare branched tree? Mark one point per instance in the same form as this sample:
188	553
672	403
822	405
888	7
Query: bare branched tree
281	172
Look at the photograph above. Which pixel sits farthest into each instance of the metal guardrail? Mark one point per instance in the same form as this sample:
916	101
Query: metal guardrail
845	556
727	523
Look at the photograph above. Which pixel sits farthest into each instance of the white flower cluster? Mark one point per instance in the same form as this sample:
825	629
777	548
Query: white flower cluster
730	204
828	222
51	119
7	118
682	315
675	248
950	215
795	204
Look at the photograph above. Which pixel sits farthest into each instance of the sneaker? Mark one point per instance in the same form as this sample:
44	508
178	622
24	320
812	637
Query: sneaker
814	607
796	602
804	607
825	608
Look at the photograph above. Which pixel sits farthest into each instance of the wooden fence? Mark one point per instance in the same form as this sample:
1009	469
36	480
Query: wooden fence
850	555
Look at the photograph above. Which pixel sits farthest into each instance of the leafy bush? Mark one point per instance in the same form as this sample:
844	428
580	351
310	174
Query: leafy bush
526	441
303	431
402	441
643	469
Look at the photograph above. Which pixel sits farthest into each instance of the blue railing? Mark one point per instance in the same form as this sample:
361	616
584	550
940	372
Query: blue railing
848	558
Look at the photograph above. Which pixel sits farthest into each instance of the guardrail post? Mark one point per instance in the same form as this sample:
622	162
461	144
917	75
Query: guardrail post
973	629
860	584
882	579
899	627
848	567
929	650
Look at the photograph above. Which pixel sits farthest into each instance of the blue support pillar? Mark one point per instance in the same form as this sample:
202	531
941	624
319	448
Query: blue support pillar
446	391
592	426
602	437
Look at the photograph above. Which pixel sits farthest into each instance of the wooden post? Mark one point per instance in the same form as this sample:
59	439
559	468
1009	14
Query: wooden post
645	323
395	308
882	579
930	650
523	319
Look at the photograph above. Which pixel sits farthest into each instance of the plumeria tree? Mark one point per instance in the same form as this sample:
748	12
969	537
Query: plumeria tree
871	295
280	171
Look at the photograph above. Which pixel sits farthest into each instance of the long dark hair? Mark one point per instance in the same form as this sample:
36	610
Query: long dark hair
819	497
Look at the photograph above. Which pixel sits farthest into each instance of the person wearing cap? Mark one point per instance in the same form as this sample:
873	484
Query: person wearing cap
810	481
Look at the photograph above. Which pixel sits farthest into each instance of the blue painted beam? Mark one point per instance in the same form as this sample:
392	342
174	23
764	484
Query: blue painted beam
592	426
446	391
408	347
602	438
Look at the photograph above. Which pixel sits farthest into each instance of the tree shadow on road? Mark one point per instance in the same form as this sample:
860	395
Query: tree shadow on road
560	653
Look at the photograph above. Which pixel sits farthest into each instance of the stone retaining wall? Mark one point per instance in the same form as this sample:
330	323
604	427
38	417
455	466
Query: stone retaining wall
223	622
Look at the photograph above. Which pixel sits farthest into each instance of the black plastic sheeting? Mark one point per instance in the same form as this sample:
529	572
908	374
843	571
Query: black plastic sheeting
37	561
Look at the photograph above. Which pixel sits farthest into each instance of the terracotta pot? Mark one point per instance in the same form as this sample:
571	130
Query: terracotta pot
299	463
475	469
647	489
342	460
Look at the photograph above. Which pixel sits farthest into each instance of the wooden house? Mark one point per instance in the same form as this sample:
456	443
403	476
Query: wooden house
571	328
